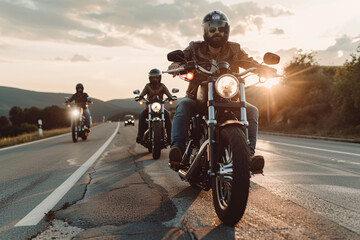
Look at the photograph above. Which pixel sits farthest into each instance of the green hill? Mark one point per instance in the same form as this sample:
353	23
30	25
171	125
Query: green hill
10	97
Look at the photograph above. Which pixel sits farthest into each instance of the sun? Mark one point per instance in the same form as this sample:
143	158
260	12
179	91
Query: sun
270	83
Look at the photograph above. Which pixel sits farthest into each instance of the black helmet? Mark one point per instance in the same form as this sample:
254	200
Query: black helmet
155	76
213	20
79	85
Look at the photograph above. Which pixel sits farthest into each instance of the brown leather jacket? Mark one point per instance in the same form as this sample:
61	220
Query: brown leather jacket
80	99
230	52
158	90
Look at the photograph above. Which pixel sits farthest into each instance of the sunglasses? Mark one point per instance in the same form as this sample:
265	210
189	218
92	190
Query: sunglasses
154	78
220	29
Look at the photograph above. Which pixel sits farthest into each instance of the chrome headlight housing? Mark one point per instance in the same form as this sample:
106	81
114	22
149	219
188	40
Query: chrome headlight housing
156	107
227	86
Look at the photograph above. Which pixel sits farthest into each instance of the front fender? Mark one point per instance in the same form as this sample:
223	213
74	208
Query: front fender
231	122
228	123
156	119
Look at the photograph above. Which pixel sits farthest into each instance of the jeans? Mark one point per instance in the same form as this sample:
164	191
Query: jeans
87	116
86	112
143	124
187	108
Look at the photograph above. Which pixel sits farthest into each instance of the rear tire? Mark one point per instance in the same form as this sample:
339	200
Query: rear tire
230	188
156	140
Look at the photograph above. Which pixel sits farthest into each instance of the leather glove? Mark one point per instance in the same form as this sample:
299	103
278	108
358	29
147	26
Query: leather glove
267	72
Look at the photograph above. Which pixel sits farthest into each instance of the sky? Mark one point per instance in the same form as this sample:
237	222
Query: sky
110	46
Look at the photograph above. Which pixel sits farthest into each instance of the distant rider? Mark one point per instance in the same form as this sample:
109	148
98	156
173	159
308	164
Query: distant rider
152	90
80	100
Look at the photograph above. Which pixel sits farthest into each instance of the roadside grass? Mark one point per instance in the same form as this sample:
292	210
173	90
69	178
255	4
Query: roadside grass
29	137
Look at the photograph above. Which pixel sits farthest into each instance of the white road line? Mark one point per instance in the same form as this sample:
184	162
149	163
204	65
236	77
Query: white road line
37	141
312	148
34	217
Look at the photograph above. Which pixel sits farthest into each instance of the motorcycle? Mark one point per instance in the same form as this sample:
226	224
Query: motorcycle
78	120
217	150
155	137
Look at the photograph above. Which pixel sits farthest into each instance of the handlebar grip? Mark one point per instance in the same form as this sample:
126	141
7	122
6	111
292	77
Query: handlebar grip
174	70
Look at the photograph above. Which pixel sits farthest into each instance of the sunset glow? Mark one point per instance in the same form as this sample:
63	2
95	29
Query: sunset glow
50	47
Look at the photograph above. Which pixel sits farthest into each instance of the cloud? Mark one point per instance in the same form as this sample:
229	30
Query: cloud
336	54
345	44
59	59
278	31
23	3
80	58
258	22
3	45
125	22
74	58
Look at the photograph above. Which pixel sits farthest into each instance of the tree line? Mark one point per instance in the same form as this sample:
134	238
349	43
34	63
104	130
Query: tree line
26	120
314	99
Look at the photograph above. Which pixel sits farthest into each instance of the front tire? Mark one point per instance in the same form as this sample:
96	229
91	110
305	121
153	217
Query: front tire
74	133
230	186
156	140
84	136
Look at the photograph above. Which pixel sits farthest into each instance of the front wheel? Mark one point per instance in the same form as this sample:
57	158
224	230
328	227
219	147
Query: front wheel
85	136
156	140
74	133
230	186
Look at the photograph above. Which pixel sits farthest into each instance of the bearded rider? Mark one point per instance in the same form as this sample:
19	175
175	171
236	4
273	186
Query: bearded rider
216	31
80	100
153	90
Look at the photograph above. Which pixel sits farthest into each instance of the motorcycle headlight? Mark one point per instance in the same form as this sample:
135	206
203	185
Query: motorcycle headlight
156	107
75	113
227	86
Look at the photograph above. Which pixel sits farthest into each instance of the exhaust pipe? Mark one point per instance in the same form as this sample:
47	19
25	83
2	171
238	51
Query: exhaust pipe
187	174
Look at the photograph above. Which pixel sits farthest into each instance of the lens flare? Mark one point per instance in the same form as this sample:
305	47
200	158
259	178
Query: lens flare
270	83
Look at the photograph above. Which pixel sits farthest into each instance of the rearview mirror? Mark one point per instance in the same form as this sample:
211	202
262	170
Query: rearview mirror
136	92
271	58
176	56
175	90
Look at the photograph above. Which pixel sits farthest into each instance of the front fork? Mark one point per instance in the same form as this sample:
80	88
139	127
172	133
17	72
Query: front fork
150	119
211	127
243	117
212	121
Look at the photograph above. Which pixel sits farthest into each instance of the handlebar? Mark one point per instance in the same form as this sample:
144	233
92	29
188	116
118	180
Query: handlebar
201	69
182	68
138	98
174	70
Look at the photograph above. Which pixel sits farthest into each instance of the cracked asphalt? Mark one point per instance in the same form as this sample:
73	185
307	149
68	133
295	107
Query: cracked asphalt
128	195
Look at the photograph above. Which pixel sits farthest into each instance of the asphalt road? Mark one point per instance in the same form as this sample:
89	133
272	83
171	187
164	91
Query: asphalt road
311	190
29	173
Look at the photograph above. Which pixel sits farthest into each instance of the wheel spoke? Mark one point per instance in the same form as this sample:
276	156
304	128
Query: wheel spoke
225	177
